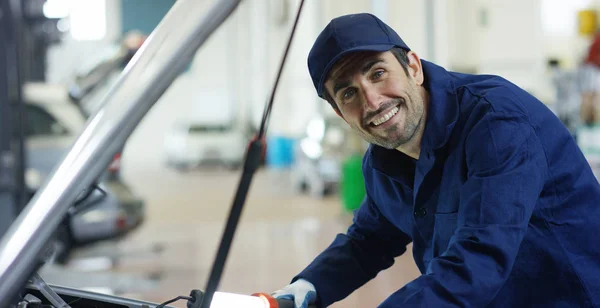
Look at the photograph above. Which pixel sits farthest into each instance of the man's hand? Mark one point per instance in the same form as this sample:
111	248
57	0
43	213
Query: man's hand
301	292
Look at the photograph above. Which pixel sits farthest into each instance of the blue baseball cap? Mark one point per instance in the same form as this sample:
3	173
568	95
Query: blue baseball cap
346	34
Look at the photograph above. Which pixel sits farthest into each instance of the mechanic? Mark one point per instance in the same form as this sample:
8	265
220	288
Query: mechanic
488	185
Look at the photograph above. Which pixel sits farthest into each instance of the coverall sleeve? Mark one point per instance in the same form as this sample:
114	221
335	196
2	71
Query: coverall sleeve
369	246
506	170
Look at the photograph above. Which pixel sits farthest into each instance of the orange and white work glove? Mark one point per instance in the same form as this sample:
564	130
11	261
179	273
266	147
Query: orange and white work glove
302	292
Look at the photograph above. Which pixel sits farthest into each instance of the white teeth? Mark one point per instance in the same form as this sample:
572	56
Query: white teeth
386	117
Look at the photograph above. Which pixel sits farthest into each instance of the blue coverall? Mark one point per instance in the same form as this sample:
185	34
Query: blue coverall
502	208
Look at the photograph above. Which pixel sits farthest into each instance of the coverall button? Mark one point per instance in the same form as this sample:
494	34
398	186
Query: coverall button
420	212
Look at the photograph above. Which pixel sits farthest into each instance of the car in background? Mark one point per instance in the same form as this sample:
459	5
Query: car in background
191	144
319	154
51	124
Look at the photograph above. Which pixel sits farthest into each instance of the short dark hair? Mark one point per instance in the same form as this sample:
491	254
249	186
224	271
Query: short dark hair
400	54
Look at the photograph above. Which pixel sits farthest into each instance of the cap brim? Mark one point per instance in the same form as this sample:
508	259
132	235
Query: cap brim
380	48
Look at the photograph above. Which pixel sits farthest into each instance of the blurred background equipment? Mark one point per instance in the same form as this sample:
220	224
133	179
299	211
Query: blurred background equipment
52	124
280	151
566	99
319	154
11	148
353	189
588	82
37	33
588	22
99	73
25	36
190	144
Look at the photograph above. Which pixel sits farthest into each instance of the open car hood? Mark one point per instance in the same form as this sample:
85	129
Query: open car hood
164	55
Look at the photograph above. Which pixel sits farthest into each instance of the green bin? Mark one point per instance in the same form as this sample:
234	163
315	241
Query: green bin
353	184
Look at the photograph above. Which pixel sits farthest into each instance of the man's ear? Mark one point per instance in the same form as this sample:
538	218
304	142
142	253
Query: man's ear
415	69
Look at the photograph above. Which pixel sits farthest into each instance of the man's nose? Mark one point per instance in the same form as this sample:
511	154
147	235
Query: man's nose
371	98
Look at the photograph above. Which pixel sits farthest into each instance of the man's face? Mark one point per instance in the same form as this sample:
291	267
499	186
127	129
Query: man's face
377	98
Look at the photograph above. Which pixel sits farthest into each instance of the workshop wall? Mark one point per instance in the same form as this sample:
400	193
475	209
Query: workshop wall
296	101
461	20
510	41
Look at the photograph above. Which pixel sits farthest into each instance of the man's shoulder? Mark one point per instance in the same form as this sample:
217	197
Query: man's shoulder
494	93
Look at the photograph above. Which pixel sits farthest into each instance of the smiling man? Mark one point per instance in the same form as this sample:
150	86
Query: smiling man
395	122
498	201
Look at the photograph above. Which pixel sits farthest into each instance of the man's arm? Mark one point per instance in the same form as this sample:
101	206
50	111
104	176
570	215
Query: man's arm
370	245
506	171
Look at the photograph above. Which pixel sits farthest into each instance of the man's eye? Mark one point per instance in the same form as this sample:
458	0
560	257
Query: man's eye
348	93
377	74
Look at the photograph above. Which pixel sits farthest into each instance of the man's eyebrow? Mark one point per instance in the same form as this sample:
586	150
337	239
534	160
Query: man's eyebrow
369	65
340	85
365	68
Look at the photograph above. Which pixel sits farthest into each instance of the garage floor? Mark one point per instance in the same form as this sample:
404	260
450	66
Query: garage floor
280	232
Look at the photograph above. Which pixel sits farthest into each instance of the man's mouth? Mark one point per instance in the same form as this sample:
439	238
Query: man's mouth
385	117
